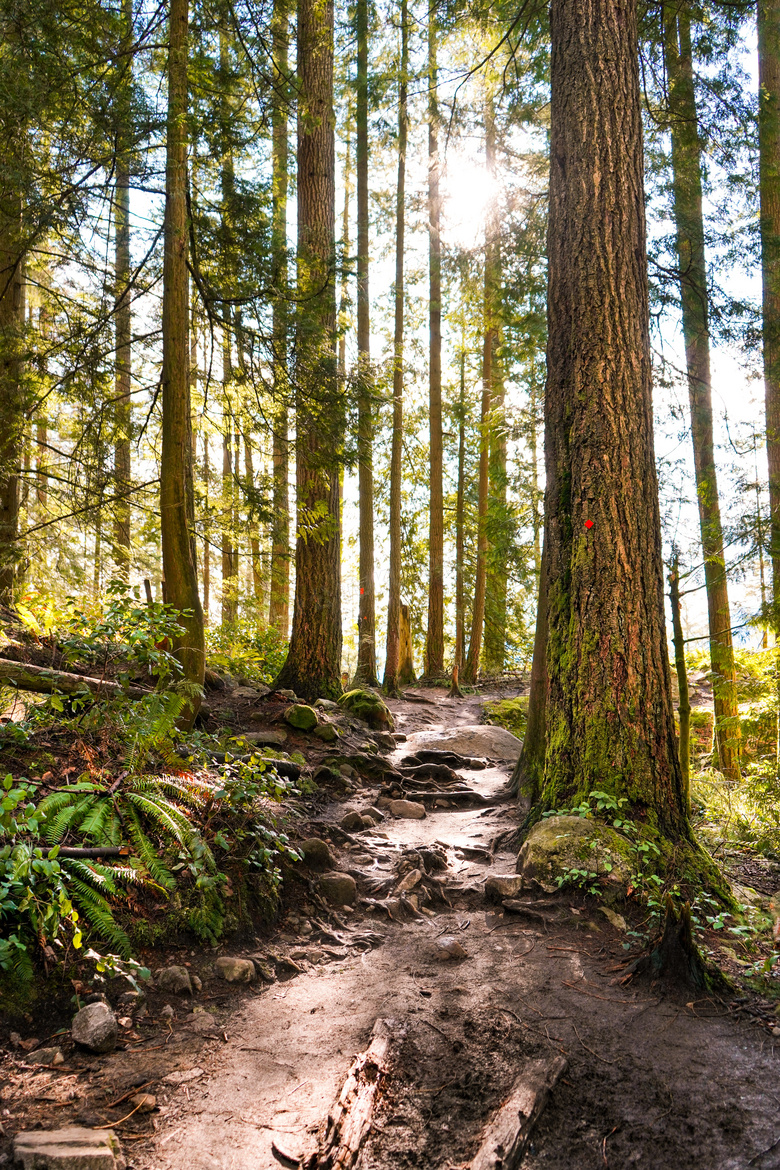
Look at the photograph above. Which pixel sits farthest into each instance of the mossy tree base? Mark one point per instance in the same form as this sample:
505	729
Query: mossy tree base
675	957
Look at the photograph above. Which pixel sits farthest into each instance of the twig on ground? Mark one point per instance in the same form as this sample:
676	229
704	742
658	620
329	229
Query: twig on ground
590	1050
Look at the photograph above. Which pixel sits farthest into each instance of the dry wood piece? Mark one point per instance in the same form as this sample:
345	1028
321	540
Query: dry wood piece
349	1119
44	681
506	1137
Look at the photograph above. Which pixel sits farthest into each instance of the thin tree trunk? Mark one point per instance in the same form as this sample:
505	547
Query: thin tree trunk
533	443
490	292
687	189
365	672
279	605
392	656
122	305
769	191
496	556
610	722
460	514
12	323
434	646
176	487
406	674
684	706
313	665
344	303
228	549
254	537
471	668
206	530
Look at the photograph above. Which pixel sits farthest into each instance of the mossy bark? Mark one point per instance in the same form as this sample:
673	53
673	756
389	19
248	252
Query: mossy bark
609	722
313	665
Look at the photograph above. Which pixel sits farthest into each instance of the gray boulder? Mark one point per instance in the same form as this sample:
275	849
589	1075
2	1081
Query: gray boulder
409	809
316	853
501	886
479	740
95	1028
71	1148
301	717
175	980
340	889
235	970
351	821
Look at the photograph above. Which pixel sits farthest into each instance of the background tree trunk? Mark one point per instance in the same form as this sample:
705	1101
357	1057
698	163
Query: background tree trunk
406	674
694	298
365	673
122	308
460	509
610	723
279	605
528	774
392	655
176	495
434	646
313	665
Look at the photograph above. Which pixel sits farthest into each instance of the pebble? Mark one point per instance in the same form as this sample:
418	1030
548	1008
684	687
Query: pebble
235	970
448	947
95	1028
46	1056
144	1102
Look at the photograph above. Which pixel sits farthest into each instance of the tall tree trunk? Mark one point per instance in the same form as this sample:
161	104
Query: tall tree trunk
176	487
528	775
434	644
12	323
471	668
365	673
496	562
122	306
254	536
279	605
533	443
206	530
490	337
684	705
227	520
313	665
392	656
769	191
610	722
689	221
460	513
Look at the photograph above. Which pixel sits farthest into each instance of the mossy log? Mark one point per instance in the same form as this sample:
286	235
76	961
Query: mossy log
42	680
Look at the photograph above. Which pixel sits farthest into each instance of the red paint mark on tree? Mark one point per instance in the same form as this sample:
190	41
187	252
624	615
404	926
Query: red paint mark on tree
588	523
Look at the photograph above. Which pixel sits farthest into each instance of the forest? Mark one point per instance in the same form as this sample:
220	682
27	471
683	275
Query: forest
389	584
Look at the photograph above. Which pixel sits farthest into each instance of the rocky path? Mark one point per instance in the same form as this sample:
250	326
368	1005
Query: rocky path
651	1080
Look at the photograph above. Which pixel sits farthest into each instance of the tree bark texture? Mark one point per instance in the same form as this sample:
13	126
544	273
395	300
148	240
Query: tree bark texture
392	654
279	605
176	488
694	299
609	720
769	192
434	645
313	665
460	511
406	672
365	673
12	325
684	705
122	306
496	518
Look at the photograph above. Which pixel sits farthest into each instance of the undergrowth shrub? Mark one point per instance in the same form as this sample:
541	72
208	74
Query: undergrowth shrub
509	713
244	650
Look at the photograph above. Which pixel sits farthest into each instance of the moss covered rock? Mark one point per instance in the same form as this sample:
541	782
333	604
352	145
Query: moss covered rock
557	846
368	707
301	717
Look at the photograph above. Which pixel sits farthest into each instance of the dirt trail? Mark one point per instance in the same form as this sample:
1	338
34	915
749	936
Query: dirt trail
650	1082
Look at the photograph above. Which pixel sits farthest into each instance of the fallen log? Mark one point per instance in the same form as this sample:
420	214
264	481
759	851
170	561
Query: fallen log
43	680
506	1137
349	1120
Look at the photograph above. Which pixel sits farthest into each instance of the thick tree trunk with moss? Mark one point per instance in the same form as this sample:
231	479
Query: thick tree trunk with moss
392	653
365	673
313	665
694	299
176	489
610	722
434	645
279	605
